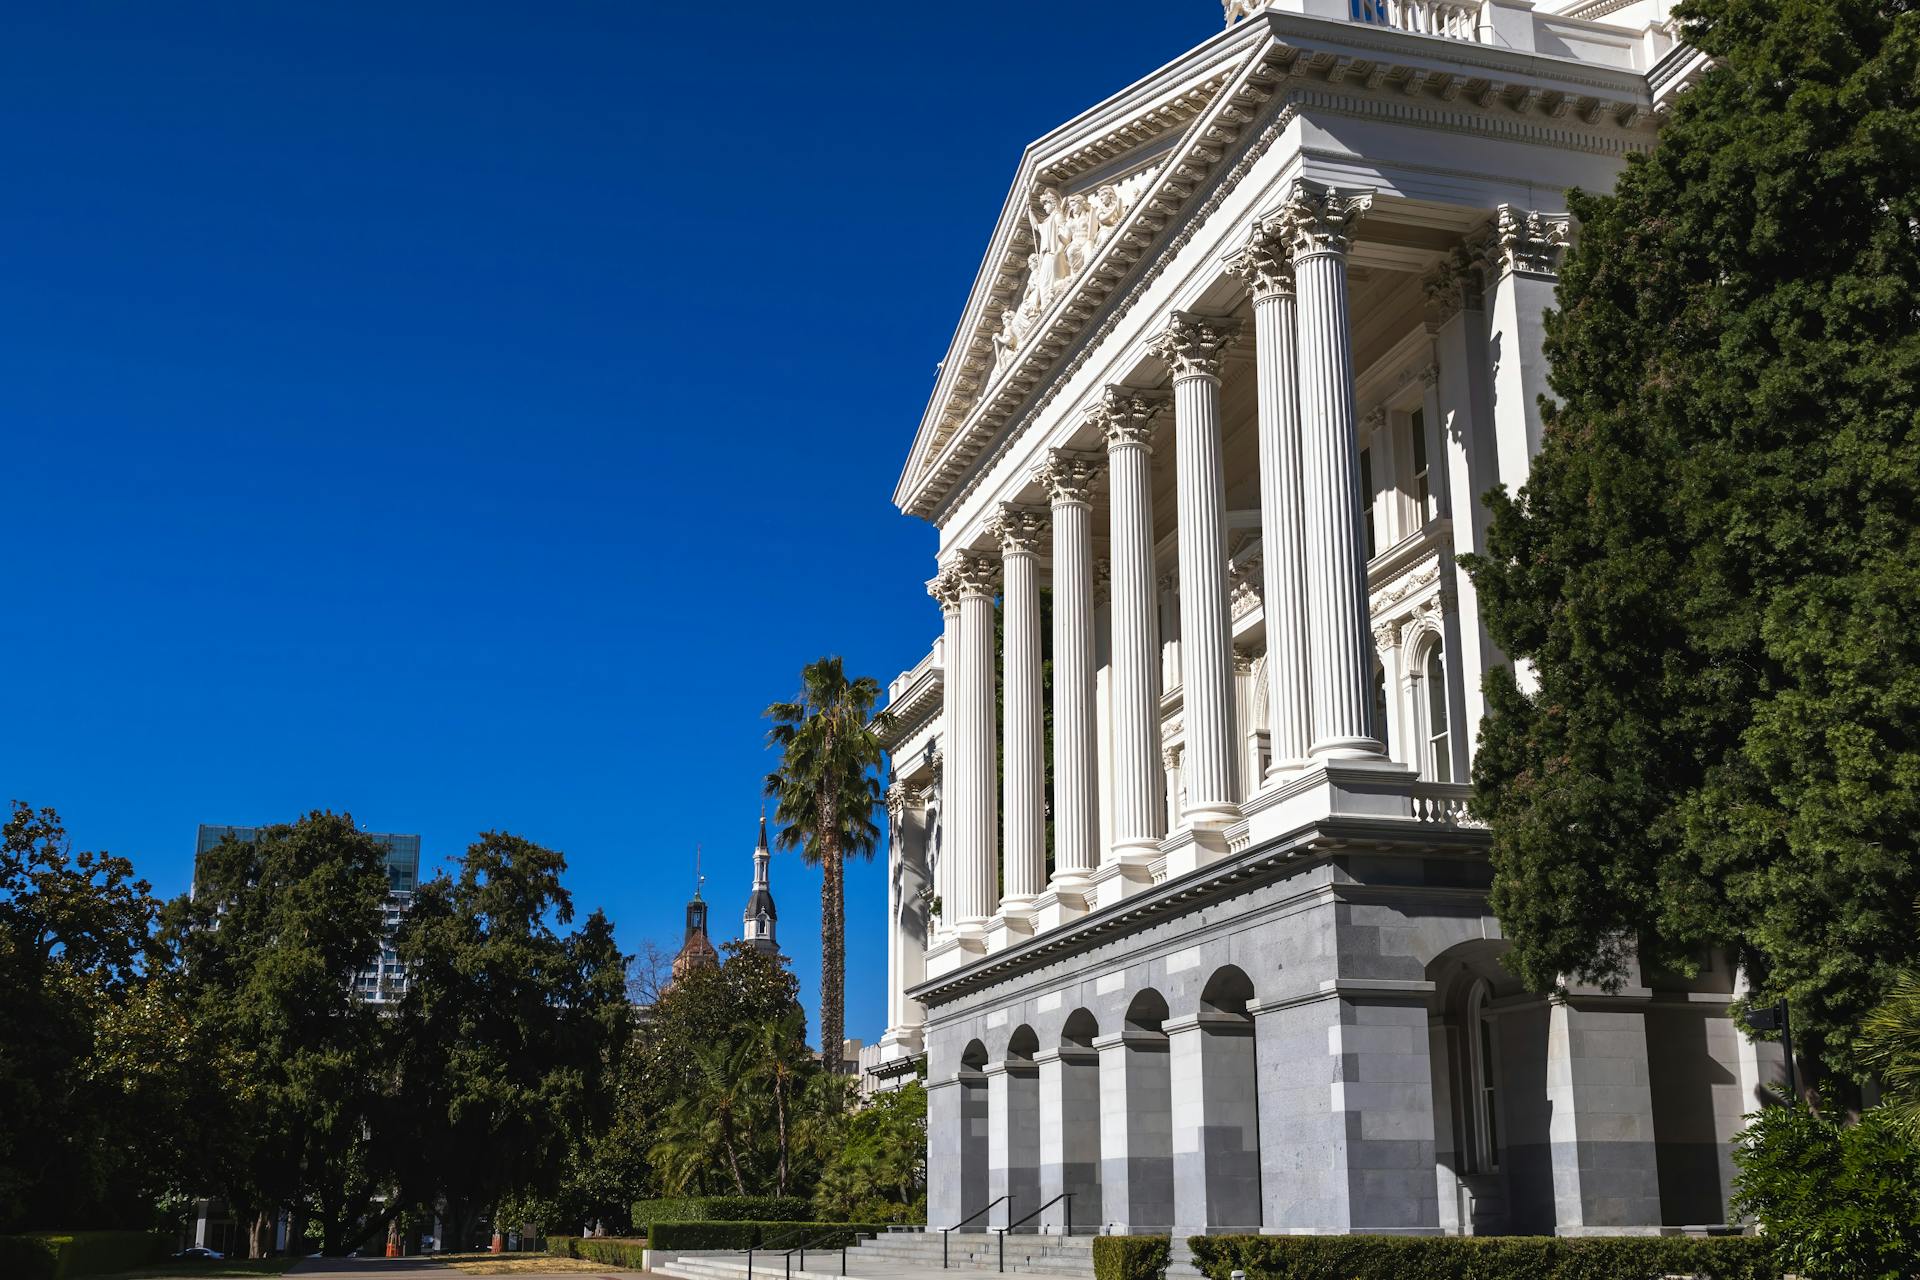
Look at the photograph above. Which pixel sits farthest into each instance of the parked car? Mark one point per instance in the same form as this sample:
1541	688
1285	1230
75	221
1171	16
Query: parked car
200	1251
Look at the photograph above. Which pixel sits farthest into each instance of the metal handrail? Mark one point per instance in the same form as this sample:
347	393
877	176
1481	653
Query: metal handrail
801	1249
946	1231
1064	1195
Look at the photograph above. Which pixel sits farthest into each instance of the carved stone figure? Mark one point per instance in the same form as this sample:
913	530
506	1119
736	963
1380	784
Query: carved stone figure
1067	234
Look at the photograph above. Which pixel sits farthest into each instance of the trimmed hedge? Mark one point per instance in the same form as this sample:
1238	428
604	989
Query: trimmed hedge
687	1236
1131	1257
607	1251
721	1209
67	1255
27	1257
1483	1257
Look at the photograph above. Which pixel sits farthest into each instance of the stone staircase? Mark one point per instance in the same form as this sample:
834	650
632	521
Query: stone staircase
900	1255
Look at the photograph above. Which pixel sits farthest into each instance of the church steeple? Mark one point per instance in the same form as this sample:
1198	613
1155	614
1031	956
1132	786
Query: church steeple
757	922
696	949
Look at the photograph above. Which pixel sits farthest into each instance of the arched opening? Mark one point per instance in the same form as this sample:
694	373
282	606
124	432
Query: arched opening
1228	991
1136	1120
1070	1128
1380	718
1013	1106
1491	1122
1216	1114
973	1153
1148	1012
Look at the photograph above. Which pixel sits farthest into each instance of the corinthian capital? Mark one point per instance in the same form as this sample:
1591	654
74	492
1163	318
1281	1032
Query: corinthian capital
1193	345
1320	219
1125	417
1264	262
1068	475
975	574
1019	529
944	587
1527	241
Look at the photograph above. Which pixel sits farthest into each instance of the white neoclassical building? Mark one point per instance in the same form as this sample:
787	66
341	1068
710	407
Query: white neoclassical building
1188	915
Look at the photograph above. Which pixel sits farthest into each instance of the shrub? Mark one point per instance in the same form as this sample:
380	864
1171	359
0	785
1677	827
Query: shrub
613	1253
721	1209
67	1255
1130	1257
27	1257
1482	1258
687	1236
1838	1201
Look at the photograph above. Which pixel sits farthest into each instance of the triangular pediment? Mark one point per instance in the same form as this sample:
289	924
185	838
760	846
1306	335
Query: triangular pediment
1086	201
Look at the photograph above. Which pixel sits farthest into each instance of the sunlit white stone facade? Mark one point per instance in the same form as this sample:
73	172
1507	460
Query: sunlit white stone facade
1195	930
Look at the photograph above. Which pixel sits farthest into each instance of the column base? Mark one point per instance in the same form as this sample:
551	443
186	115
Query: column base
1128	872
1210	816
1349	749
1191	848
1067	900
1012	926
957	950
1363	787
902	1042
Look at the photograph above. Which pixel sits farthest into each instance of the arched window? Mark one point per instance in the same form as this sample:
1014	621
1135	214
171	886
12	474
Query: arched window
1481	1101
1439	757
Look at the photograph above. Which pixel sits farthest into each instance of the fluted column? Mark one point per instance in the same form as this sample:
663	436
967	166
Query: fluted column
1020	531
973	797
1139	819
1319	224
1192	347
1069	477
1265	266
944	587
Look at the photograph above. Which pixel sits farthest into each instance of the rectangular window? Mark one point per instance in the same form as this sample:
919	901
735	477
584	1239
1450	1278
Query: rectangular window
1366	498
1422	505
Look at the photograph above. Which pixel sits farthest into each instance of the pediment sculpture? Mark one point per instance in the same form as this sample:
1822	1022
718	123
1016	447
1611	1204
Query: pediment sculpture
1068	231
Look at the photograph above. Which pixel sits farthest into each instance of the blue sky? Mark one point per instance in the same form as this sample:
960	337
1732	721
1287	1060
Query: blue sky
471	416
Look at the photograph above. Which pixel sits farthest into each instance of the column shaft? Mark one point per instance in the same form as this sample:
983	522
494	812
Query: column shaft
1138	816
1284	548
1206	655
945	588
1341	662
1025	766
972	763
1076	850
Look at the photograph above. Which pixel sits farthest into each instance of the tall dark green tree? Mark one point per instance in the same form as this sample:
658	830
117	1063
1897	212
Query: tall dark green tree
1714	566
513	1028
92	1047
825	789
297	1063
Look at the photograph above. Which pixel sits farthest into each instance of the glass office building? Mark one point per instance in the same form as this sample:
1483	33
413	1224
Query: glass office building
386	979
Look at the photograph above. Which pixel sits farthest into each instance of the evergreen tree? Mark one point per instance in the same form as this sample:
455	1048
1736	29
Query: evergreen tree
512	1030
1713	567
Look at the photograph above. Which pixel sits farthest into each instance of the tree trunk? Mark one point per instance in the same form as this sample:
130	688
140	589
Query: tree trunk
780	1114
833	946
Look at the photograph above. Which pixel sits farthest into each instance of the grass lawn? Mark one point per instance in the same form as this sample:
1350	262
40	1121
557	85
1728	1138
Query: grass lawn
207	1269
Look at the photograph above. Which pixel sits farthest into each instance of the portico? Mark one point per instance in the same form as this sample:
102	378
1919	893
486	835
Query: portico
1206	943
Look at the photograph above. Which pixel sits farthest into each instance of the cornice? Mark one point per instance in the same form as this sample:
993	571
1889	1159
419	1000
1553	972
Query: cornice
917	705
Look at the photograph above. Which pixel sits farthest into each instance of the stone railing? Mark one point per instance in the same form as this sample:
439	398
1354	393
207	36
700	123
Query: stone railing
1444	804
1447	18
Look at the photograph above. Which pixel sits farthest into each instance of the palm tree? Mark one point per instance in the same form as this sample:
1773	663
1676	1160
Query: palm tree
1890	1044
705	1126
824	791
779	1067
